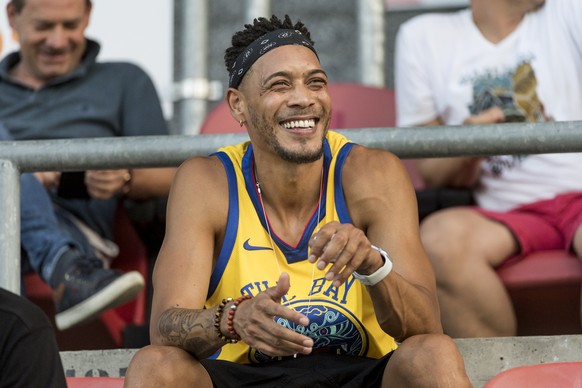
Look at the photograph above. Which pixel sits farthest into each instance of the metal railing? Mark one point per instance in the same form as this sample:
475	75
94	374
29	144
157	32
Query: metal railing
165	151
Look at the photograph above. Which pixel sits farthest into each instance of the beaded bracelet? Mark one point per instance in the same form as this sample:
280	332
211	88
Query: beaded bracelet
231	311
218	317
230	317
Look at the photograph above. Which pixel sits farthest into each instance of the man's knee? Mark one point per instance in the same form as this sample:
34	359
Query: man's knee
163	357
449	238
156	366
429	360
436	232
439	234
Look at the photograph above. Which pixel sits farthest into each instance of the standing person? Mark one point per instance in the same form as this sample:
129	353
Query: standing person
29	355
54	88
499	61
290	225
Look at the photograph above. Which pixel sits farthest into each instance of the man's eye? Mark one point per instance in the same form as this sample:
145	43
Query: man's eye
42	27
279	85
317	83
71	26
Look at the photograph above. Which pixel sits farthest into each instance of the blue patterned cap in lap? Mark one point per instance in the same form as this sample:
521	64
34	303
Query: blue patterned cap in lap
260	47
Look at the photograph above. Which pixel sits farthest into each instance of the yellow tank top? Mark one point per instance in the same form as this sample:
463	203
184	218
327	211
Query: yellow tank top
342	320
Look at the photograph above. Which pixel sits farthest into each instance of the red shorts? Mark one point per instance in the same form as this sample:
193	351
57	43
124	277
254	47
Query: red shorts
544	225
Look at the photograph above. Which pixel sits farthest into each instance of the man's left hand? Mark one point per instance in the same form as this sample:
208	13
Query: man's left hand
104	184
347	248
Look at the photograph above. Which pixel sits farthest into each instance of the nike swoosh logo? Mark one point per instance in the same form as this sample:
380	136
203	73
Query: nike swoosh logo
250	247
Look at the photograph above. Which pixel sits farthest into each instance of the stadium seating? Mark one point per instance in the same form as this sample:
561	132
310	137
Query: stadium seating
544	287
95	382
554	375
545	290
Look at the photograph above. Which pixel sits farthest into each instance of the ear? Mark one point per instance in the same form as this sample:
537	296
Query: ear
88	13
236	103
11	13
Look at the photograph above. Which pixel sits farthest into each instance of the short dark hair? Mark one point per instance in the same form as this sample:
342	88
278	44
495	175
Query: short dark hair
260	26
19	4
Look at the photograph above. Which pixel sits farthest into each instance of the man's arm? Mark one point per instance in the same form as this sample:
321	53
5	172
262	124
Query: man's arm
463	171
198	201
147	183
139	184
382	204
405	302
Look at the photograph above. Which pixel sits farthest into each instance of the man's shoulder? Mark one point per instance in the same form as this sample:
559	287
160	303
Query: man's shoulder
202	166
120	67
364	160
201	175
120	75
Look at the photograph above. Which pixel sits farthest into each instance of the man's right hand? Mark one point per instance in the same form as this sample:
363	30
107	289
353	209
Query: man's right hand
254	322
488	116
49	179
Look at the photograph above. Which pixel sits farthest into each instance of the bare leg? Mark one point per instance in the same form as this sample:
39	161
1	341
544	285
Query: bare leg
464	247
165	366
429	360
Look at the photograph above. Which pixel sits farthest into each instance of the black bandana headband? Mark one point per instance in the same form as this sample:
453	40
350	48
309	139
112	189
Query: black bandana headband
260	47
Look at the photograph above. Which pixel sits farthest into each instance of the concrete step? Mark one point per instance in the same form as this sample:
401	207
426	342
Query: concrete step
484	357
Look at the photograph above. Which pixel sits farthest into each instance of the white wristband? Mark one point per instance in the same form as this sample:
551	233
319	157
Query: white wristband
381	273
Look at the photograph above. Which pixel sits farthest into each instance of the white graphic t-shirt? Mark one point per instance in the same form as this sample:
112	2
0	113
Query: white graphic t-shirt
445	68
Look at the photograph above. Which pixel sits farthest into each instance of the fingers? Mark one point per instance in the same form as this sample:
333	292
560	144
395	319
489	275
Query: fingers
264	324
343	246
277	346
488	116
283	285
48	179
276	293
104	184
274	336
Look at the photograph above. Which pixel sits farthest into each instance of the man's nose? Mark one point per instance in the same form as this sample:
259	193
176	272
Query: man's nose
57	38
301	95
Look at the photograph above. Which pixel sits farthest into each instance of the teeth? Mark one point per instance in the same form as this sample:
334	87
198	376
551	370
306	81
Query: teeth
299	124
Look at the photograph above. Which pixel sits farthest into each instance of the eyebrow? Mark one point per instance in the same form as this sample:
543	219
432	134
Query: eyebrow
287	74
40	20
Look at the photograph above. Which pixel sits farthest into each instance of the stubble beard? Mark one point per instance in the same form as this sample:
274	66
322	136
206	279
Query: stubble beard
302	156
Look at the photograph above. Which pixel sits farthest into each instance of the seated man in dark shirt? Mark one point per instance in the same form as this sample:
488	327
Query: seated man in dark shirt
54	88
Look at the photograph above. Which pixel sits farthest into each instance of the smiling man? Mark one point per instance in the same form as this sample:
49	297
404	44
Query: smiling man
54	88
52	38
320	304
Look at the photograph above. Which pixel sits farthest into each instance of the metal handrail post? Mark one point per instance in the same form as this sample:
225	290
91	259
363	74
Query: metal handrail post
9	226
257	8
371	38
191	64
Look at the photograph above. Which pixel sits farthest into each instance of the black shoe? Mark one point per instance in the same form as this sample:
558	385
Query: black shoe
87	289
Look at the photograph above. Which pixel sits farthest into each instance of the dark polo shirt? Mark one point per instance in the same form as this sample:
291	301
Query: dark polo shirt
95	100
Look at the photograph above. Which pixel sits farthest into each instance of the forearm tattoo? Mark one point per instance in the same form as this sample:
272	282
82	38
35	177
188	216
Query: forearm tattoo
191	330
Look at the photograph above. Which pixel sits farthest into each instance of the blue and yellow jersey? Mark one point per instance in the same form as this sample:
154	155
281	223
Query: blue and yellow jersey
342	320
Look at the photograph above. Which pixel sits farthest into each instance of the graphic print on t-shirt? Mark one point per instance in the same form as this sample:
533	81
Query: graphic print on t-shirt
514	91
